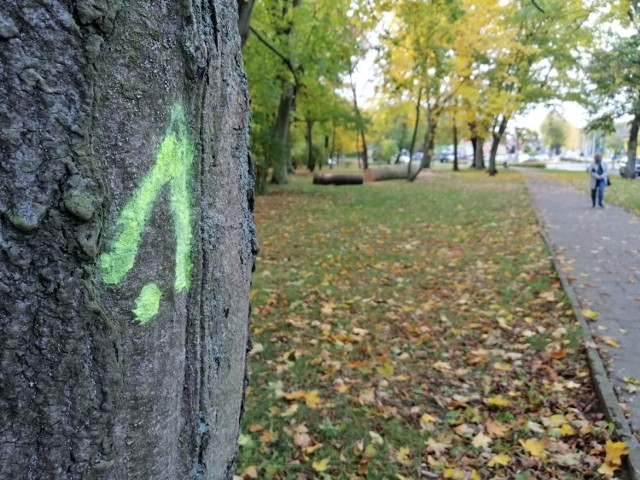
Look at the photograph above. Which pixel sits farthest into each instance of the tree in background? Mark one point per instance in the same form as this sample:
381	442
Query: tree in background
554	131
127	239
305	48
614	72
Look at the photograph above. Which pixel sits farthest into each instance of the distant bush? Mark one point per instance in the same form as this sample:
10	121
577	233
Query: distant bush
533	165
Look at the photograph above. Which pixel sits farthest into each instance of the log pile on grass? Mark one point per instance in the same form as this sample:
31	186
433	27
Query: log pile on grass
340	179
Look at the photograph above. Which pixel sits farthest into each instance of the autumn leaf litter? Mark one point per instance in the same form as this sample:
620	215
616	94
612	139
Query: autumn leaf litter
415	331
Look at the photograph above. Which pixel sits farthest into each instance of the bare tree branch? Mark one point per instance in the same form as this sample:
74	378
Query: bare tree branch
537	6
284	59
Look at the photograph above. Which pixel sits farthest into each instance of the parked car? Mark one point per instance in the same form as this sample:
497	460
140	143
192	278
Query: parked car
623	166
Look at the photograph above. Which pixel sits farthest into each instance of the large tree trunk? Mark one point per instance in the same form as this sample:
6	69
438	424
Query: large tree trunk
281	158
389	172
428	146
245	7
363	138
456	167
630	169
416	124
478	153
126	238
496	137
311	164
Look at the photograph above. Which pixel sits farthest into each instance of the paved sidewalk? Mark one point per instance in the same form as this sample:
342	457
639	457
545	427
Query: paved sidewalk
598	254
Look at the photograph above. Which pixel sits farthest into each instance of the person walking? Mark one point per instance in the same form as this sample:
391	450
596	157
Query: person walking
598	179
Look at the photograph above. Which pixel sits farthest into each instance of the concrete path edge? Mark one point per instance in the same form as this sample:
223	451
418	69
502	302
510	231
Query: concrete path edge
604	388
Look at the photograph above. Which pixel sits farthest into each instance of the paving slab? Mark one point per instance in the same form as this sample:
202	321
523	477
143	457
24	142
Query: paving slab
597	254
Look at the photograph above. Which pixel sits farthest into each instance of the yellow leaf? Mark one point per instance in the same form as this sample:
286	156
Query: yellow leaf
290	411
615	451
297	395
555	421
566	430
481	440
453	473
590	314
312	399
386	370
631	380
474	475
502	367
327	308
498	401
402	456
321	465
536	448
612	342
370	451
376	438
607	470
427	421
312	449
501	459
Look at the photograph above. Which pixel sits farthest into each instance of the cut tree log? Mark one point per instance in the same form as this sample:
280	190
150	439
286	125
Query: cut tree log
331	179
391	172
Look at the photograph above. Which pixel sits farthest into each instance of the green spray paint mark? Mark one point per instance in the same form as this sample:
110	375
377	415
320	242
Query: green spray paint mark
172	167
147	303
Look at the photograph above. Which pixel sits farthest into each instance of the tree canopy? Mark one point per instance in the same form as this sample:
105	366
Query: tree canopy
442	68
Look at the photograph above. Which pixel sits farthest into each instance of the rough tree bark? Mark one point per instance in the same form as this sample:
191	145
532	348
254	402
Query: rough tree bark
478	154
280	174
632	148
126	239
427	148
496	138
311	163
361	132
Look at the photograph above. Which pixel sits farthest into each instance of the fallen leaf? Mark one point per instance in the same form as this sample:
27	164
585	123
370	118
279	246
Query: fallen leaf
250	472
376	438
481	441
608	470
312	399
402	456
321	465
290	411
427	422
501	459
498	401
312	448
536	448
590	314
615	451
496	429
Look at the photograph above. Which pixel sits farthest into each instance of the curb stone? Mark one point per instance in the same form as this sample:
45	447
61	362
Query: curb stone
604	388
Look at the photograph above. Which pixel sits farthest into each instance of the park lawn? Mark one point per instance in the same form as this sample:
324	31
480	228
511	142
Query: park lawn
405	331
623	192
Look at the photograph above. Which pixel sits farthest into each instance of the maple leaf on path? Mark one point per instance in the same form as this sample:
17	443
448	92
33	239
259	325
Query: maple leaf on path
615	451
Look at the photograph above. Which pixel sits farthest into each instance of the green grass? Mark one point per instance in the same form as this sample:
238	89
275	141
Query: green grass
392	320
